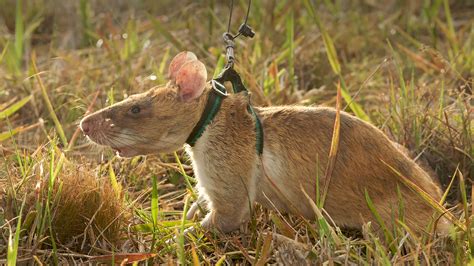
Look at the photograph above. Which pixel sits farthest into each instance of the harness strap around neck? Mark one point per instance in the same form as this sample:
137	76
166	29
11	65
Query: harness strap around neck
213	104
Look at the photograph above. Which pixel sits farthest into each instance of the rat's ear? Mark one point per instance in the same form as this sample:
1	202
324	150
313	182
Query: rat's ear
178	61
191	80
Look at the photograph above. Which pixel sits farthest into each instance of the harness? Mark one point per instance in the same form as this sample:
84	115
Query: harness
214	101
218	92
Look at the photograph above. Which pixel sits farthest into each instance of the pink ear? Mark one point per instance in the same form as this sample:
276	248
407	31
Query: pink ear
191	80
178	61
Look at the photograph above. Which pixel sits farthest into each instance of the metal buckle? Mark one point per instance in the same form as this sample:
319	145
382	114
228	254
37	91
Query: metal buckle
223	93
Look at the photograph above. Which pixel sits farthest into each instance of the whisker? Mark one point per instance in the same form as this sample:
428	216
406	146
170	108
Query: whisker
126	139
122	140
120	143
139	140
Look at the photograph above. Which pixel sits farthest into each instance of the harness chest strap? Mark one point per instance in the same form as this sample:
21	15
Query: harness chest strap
213	104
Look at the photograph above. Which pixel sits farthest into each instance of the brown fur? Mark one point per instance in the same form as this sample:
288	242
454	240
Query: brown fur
232	176
296	144
161	126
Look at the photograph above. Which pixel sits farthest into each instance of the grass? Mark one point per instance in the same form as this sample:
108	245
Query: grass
406	67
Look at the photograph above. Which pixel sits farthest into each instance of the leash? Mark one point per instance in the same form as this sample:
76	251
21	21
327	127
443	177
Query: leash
228	74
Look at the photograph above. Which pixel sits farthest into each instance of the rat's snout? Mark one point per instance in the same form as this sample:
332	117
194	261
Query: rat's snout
86	125
94	123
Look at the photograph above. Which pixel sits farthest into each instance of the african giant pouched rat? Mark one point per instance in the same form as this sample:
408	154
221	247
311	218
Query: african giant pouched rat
232	176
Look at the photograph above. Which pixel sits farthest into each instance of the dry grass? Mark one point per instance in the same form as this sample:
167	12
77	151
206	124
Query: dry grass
86	207
408	68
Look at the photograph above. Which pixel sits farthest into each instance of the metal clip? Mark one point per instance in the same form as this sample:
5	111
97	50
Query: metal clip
229	49
246	31
214	83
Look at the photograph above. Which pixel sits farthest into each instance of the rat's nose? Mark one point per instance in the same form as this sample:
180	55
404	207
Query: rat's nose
85	126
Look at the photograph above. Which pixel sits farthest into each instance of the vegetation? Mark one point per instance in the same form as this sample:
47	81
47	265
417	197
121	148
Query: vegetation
406	66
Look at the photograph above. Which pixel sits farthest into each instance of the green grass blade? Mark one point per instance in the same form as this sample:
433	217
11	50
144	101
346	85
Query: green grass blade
4	52
334	62
283	227
465	204
85	15
331	52
52	159
47	101
219	66
426	197
448	188
14	107
31	27
59	164
53	241
328	42
19	31
162	76
221	261
154	210
378	218
180	250
401	79
154	201
12	251
111	95
324	225
113	181
266	250
355	107
452	31
8	134
187	178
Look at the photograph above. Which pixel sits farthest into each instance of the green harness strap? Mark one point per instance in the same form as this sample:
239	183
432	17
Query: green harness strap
214	102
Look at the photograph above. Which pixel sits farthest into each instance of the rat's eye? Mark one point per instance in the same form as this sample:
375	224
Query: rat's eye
135	109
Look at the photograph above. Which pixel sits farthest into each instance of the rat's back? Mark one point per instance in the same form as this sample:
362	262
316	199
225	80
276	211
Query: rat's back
297	145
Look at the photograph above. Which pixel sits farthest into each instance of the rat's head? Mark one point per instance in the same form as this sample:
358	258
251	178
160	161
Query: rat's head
159	120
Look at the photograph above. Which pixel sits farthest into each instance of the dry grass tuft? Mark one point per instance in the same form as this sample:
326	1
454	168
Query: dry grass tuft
86	210
80	211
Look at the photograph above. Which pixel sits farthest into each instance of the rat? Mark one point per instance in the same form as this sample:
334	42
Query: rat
232	176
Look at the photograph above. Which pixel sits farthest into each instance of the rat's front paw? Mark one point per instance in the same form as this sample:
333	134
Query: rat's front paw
196	208
221	223
175	239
